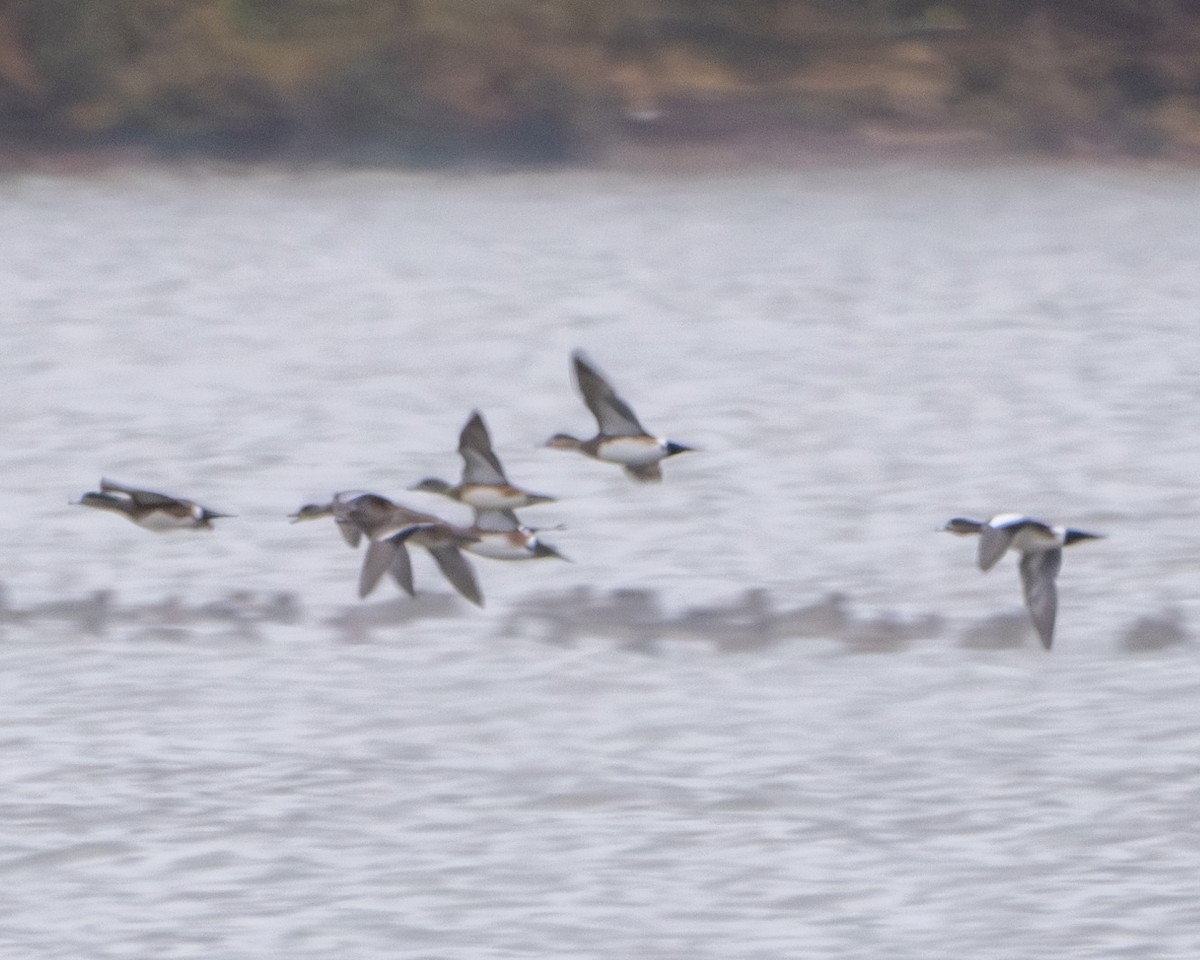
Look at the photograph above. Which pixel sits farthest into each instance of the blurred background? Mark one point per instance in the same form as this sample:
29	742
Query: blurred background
437	81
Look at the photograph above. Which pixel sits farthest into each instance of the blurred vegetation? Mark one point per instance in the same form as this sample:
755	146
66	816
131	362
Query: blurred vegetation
547	80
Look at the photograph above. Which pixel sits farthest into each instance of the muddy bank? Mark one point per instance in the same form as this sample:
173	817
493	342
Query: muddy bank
443	81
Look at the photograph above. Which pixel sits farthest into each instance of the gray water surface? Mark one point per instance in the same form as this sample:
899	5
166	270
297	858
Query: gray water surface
211	749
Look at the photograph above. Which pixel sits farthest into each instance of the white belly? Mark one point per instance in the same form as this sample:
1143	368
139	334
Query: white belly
1032	539
489	498
161	522
631	451
499	548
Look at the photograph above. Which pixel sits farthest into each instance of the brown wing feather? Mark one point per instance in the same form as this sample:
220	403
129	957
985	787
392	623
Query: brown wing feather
457	569
480	463
613	415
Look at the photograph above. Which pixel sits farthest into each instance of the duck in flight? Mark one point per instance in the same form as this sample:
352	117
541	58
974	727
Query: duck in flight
484	485
153	511
1040	546
621	438
388	527
501	536
357	514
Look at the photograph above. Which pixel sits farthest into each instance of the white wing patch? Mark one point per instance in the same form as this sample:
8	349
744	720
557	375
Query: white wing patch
1007	519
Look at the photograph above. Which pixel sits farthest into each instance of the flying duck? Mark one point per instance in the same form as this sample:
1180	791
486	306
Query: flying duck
621	438
154	511
484	485
1040	546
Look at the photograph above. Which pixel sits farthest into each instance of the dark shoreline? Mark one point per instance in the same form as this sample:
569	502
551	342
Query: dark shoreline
443	84
749	150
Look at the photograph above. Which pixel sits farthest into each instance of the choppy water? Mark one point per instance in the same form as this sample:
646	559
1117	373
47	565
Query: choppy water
677	746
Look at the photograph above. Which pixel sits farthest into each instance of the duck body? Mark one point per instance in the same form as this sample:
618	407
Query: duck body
484	496
500	535
1014	531
356	512
157	512
634	451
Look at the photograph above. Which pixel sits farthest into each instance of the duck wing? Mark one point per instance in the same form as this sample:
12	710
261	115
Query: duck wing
497	521
349	530
614	416
381	554
389	556
480	463
111	486
143	498
457	569
401	570
993	543
1038	570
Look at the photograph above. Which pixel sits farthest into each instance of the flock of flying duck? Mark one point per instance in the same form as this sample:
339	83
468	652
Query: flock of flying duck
497	533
